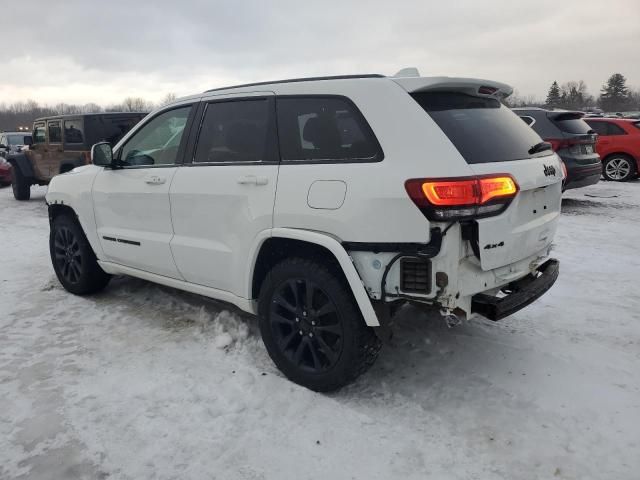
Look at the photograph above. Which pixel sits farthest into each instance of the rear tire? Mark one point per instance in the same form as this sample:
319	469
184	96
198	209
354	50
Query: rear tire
312	327
21	187
619	168
73	259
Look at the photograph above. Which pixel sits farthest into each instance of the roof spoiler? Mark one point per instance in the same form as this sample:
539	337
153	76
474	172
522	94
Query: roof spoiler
470	86
564	115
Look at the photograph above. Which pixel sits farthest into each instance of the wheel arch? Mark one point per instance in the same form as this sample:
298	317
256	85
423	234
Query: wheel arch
21	161
621	153
280	243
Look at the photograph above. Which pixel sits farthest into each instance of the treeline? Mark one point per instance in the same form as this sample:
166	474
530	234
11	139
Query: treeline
22	114
615	96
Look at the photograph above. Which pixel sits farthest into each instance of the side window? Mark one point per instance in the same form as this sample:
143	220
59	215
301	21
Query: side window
39	133
73	131
324	128
55	135
615	129
157	142
599	127
236	131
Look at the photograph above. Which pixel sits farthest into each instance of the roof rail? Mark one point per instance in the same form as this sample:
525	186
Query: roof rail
293	80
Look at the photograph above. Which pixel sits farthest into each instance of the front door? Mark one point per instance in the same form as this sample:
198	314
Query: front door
133	215
54	153
224	197
38	150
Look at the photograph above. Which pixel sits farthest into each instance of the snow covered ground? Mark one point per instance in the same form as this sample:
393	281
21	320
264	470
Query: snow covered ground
143	381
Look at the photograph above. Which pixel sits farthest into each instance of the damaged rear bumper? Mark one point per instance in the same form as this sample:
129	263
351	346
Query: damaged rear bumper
521	293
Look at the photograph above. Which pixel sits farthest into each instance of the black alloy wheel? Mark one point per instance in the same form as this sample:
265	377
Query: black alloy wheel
306	325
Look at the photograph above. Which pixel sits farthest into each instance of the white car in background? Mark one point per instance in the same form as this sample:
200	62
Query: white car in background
320	205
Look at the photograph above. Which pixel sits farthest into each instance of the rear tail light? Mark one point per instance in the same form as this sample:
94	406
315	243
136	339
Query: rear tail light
564	170
446	199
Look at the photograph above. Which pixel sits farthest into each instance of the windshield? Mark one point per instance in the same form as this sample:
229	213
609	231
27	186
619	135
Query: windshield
16	139
482	129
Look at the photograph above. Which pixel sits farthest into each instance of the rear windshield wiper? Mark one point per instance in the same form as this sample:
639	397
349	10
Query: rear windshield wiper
540	147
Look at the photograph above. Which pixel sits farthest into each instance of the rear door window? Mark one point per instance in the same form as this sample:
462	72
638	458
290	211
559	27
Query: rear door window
319	129
239	131
615	129
55	133
482	129
599	127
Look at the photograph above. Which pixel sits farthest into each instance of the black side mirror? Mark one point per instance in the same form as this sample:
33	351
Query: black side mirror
102	155
2	145
27	140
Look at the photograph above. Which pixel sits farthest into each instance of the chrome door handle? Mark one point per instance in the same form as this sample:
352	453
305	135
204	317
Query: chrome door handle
253	180
155	180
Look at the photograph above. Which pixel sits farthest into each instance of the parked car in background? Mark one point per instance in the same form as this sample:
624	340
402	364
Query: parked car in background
321	205
13	142
619	147
5	172
571	138
62	143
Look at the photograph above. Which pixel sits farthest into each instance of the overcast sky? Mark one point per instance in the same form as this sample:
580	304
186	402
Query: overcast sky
80	51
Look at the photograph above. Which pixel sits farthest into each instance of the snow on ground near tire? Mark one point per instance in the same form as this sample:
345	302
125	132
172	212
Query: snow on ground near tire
143	381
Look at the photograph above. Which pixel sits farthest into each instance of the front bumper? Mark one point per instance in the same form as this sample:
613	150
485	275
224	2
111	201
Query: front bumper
521	293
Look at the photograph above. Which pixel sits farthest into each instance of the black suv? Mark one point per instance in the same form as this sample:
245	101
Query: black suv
571	138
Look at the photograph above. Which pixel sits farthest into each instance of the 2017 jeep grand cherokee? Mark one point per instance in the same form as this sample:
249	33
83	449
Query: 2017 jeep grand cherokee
319	205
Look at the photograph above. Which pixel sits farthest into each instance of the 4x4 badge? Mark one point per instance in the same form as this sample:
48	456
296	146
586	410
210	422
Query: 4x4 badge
549	171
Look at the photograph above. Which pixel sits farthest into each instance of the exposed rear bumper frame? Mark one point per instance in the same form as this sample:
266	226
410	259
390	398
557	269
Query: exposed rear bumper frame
525	291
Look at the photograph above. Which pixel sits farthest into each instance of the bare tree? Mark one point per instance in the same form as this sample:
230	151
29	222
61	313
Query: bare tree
136	104
167	99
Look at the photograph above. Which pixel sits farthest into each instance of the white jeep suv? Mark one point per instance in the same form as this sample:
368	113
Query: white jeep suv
320	205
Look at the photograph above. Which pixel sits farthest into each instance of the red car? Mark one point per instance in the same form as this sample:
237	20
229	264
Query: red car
5	173
618	145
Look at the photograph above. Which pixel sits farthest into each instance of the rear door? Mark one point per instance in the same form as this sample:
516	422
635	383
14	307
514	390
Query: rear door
224	197
493	140
131	204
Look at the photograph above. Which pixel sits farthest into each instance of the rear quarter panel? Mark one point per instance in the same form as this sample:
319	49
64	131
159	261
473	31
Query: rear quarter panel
376	206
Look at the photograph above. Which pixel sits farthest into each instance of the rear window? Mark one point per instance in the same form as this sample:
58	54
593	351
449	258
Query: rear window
482	129
324	129
570	123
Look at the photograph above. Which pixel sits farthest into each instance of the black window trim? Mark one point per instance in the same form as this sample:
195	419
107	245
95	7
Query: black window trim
180	158
59	120
378	157
190	154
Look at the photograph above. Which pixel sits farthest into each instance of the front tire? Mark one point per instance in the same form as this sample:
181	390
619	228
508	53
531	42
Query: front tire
312	328
73	259
20	185
619	168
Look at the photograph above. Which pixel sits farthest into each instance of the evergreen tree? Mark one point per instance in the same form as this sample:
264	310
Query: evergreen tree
553	97
614	94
